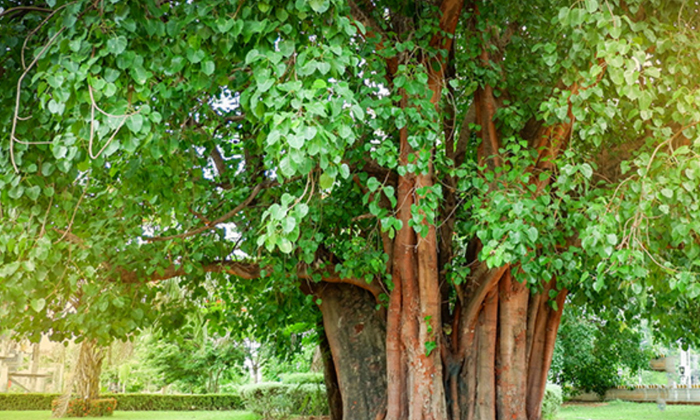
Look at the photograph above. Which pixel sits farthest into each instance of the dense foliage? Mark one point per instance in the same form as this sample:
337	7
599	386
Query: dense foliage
126	122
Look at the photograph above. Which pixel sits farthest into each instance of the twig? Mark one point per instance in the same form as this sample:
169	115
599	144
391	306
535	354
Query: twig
92	125
35	30
46	218
24	8
75	211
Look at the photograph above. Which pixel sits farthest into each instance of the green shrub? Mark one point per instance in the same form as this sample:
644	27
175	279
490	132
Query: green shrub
302	378
274	400
78	407
132	402
551	402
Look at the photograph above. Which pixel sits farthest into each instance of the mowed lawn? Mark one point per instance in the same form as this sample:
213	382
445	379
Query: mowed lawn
623	410
141	415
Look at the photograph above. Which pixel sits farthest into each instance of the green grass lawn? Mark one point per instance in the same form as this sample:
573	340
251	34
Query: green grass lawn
622	410
141	415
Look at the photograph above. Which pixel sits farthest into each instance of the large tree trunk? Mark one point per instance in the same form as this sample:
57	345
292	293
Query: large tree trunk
495	362
356	334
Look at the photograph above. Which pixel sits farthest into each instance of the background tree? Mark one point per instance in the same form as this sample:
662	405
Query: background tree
435	176
594	354
196	362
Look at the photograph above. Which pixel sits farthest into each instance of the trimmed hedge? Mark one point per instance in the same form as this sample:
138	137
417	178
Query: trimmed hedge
274	400
302	378
21	402
132	402
160	402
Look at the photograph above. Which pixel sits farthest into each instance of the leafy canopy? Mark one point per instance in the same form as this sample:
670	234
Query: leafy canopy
202	140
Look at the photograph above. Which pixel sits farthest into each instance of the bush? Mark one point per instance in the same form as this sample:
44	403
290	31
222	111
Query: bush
551	402
302	378
78	407
274	400
132	402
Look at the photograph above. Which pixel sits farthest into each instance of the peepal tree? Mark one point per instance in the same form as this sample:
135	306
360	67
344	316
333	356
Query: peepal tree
435	176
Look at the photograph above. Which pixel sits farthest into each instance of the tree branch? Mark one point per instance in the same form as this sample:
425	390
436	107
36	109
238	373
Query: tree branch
222	219
25	9
219	161
487	279
329	275
244	270
367	20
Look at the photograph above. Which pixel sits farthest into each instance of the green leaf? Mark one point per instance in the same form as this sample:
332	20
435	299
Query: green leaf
60	151
591	5
323	67
284	245
288	224
135	123
56	107
429	347
277	212
286	167
310	132
117	45
319	6
273	137
612	239
208	67
252	56
532	233
224	25
38	304
302	209
373	184
587	170
357	112
344	171
326	181
295	141
33	192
